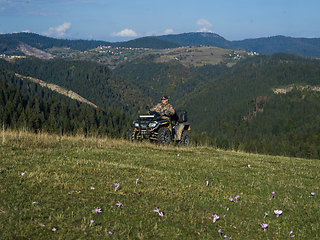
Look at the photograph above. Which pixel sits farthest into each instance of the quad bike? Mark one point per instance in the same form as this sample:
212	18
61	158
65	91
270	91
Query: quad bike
154	128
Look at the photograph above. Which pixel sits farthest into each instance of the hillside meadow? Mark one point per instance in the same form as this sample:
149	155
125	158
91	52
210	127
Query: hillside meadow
55	187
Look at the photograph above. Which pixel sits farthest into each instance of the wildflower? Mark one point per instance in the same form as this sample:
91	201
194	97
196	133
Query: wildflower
278	212
161	214
137	181
92	188
178	155
265	214
22	174
272	193
119	204
249	166
220	231
97	210
207	183
157	210
54	229
91	221
110	233
291	232
116	185
215	217
35	203
231	200
72	191
264	226
237	197
312	194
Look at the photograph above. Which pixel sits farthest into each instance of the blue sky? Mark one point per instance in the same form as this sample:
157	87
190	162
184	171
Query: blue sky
122	20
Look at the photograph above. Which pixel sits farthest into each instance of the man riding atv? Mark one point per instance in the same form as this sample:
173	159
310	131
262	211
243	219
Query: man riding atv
163	125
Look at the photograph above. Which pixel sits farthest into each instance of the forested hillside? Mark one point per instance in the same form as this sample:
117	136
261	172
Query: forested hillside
240	108
93	81
172	79
26	105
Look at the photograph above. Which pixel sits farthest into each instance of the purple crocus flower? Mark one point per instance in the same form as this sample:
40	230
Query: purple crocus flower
54	229
119	204
231	200
91	221
207	182
215	217
237	197
116	185
312	194
22	174
97	210
278	212
272	193
157	210
92	188
265	214
137	181
161	214
264	226
249	166
35	203
110	233
220	231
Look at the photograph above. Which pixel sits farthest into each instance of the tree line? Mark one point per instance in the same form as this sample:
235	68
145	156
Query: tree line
41	110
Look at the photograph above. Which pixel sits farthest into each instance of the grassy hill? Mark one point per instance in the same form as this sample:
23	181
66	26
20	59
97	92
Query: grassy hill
55	187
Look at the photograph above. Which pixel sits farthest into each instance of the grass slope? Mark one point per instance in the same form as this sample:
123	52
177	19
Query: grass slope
66	178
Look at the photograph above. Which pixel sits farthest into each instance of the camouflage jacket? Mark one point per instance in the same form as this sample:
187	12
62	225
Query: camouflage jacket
165	111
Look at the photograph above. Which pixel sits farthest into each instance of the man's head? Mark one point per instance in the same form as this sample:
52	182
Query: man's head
164	100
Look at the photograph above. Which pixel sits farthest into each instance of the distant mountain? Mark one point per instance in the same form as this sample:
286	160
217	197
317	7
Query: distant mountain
149	42
11	43
308	47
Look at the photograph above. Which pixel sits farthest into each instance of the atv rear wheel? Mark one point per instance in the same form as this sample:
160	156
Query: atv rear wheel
164	136
185	139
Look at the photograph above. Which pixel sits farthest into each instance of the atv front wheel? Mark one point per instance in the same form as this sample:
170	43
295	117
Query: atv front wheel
164	136
185	139
132	136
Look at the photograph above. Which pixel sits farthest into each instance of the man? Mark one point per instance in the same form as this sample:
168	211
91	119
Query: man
164	108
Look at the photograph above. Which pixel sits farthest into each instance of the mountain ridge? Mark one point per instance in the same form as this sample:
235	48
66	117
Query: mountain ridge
308	47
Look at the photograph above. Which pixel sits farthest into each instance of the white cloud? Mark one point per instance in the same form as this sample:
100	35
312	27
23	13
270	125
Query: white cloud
168	31
60	31
26	31
204	24
124	33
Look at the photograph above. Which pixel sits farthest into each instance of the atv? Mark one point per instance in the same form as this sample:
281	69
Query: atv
154	128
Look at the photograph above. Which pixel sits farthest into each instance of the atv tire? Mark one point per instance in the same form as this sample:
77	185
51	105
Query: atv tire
132	136
164	136
185	139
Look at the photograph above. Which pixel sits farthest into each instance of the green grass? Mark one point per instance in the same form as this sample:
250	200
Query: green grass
60	171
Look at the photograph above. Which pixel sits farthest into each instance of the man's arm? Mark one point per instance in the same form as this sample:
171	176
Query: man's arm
170	110
156	108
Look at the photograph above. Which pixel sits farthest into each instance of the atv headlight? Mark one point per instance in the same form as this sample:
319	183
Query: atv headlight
152	125
136	124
